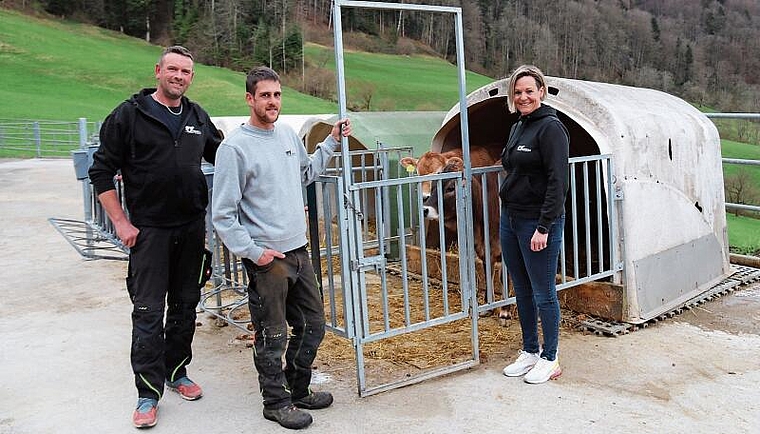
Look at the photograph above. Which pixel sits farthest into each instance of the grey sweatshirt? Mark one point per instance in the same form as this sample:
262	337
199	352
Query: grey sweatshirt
257	202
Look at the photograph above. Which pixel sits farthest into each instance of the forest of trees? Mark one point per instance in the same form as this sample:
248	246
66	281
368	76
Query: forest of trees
706	51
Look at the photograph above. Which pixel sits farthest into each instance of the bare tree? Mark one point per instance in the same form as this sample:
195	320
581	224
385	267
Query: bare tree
740	188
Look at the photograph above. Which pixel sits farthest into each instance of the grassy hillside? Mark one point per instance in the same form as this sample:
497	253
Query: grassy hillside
398	82
63	71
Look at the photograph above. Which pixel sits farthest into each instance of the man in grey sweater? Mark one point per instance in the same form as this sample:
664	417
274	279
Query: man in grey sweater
258	212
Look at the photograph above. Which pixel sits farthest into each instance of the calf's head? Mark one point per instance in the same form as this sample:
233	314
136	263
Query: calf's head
429	162
432	210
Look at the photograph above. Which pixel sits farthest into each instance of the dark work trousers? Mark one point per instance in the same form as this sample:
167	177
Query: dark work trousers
281	293
164	272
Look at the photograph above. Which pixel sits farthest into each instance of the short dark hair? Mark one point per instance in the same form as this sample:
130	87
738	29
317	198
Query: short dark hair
260	73
176	49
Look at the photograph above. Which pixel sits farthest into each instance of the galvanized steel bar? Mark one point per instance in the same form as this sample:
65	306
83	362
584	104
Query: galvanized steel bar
573	195
380	228
350	303
587	218
418	379
599	221
82	133
741	161
415	327
733	115
402	254
738	206
612	195
354	250
487	265
423	246
327	203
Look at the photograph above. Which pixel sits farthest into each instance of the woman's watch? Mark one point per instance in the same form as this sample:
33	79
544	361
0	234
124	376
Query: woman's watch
542	230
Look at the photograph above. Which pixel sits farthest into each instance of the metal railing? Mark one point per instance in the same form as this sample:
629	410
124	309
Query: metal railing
738	161
41	138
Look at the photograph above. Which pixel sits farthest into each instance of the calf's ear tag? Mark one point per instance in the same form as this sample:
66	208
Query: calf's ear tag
410	168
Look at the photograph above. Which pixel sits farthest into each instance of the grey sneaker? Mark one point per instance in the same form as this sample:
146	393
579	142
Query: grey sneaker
314	401
289	417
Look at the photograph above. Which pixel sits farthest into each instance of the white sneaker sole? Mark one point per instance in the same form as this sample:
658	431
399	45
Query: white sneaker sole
553	376
517	374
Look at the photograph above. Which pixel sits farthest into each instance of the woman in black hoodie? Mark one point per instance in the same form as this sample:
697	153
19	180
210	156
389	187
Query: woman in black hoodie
532	219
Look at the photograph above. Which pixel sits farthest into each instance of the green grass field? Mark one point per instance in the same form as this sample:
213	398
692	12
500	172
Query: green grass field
400	82
63	71
745	151
743	234
56	70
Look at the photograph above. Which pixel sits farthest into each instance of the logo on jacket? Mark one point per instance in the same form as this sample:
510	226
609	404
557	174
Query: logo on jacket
523	148
190	129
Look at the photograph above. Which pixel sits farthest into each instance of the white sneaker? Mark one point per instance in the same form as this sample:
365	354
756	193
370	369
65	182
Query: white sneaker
543	371
524	363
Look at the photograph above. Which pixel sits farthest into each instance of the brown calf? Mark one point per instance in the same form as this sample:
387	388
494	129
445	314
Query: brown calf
433	211
433	162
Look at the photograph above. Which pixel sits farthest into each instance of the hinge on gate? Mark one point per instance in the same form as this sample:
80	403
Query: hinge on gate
619	266
619	194
373	262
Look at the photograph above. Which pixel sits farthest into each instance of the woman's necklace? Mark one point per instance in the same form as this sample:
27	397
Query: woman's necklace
167	107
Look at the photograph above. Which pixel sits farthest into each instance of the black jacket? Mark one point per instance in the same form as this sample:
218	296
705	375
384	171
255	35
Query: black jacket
535	159
163	182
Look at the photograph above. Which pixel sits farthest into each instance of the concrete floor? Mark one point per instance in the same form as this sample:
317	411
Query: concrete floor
64	356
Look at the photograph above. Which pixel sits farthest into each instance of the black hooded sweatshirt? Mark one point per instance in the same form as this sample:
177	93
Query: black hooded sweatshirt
163	182
535	159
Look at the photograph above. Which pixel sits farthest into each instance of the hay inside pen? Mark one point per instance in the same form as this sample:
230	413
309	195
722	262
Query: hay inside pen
408	354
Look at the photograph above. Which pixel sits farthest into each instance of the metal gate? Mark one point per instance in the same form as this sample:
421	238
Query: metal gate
381	281
377	296
362	262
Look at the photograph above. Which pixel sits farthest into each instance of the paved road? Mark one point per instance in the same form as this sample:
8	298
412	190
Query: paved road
64	357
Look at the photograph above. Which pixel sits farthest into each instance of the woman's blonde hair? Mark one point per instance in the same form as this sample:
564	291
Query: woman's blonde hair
520	72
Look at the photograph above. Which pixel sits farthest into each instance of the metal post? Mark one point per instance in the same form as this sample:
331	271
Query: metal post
37	139
352	218
82	133
464	126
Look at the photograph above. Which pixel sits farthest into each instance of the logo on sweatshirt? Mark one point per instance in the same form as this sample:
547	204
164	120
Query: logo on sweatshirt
523	148
190	129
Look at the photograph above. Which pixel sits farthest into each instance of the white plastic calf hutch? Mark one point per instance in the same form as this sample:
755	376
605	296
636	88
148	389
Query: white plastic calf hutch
670	241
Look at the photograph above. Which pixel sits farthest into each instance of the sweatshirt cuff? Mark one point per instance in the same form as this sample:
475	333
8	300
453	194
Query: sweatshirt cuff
254	254
331	143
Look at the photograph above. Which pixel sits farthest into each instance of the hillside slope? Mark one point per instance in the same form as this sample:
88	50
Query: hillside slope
62	70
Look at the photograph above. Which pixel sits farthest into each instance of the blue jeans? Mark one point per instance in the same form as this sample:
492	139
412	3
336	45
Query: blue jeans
533	277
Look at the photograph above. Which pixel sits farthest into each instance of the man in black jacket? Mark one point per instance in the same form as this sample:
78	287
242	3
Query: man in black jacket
157	139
